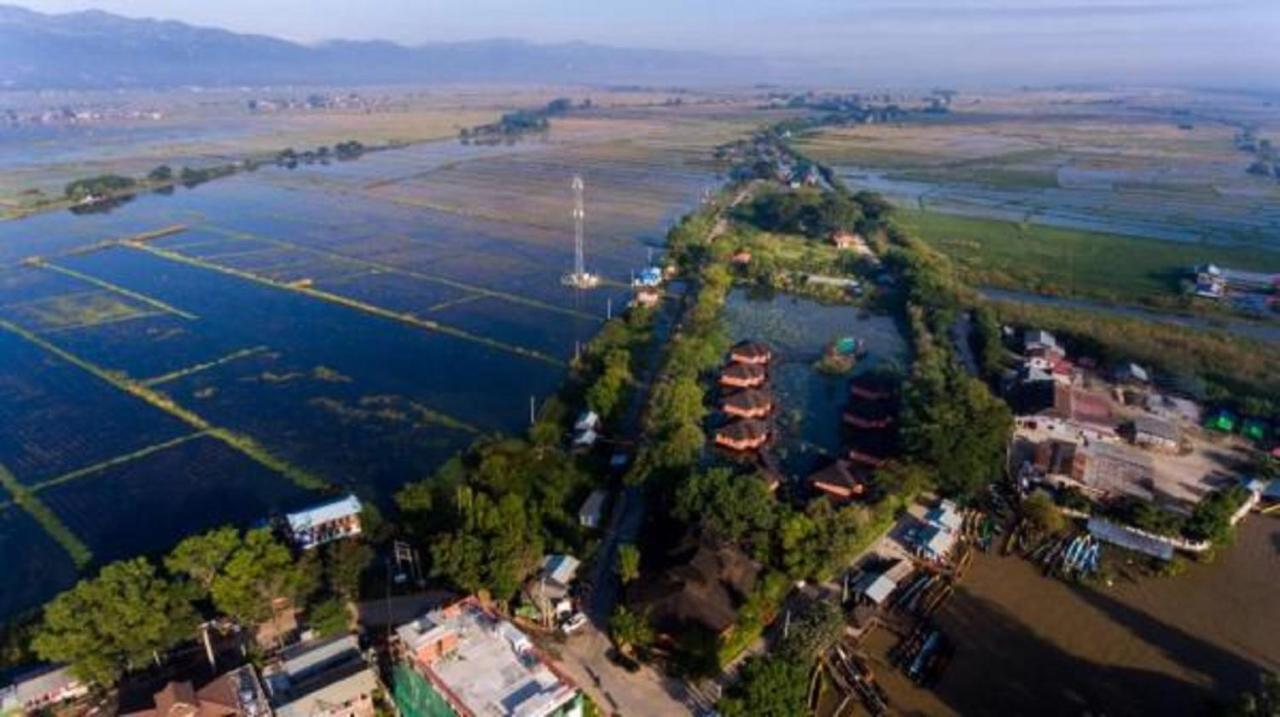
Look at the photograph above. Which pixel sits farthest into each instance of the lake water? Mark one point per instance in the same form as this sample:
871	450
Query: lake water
798	330
357	334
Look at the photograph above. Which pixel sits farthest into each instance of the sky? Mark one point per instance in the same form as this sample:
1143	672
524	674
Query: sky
1229	43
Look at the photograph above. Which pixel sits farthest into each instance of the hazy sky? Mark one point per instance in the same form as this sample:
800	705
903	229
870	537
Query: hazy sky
1219	42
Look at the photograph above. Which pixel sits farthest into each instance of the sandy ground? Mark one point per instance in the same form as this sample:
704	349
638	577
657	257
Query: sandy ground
1027	644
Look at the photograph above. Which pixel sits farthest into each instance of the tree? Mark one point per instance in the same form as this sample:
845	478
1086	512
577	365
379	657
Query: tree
628	562
680	448
459	559
728	506
202	557
329	618
162	173
1039	510
629	629
258	574
1211	518
348	559
768	687
122	618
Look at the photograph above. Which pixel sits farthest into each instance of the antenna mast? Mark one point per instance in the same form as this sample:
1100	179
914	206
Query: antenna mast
579	279
579	213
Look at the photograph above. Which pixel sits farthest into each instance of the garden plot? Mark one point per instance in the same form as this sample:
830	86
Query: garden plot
57	418
34	566
372	432
319	350
153	346
186	489
77	310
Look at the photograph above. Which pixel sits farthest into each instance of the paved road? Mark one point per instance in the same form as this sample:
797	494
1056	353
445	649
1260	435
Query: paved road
585	655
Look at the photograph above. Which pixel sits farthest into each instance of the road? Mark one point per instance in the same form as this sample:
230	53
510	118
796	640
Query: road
585	656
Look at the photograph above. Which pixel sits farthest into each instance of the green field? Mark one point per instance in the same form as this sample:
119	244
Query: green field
1051	260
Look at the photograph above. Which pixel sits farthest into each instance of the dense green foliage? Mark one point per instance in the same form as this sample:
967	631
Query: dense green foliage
777	685
116	621
99	186
1211	518
951	422
727	506
807	211
768	687
488	515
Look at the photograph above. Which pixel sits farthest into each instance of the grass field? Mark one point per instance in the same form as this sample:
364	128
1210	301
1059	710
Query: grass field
1053	260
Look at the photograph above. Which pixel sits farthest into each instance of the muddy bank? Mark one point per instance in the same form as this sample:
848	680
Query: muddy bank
1027	644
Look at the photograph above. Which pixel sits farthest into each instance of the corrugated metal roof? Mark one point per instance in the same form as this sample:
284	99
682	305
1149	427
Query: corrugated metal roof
321	514
877	587
1129	538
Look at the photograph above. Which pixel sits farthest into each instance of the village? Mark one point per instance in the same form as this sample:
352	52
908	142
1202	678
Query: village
723	522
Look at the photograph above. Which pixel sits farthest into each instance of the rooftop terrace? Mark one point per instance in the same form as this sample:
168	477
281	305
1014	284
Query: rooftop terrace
484	665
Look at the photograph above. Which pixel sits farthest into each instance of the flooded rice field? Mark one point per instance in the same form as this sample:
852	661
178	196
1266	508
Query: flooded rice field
1029	644
1192	214
798	330
224	353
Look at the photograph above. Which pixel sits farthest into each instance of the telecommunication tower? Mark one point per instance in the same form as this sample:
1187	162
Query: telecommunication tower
579	279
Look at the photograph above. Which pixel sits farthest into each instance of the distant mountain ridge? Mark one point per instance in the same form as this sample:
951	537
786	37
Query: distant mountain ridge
95	49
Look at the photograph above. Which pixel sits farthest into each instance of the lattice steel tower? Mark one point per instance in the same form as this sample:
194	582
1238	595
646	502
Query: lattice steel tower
579	279
579	213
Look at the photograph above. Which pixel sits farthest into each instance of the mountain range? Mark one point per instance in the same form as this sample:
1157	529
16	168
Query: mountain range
95	49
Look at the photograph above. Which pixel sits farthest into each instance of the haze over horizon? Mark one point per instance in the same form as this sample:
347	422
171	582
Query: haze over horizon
1227	43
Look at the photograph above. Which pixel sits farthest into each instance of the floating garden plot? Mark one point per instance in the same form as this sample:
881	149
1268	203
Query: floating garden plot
152	346
65	312
34	566
350	418
58	418
147	505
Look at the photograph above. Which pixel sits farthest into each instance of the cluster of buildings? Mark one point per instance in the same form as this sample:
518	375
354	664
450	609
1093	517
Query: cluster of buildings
1109	434
66	116
332	677
319	101
745	400
458	660
869	417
